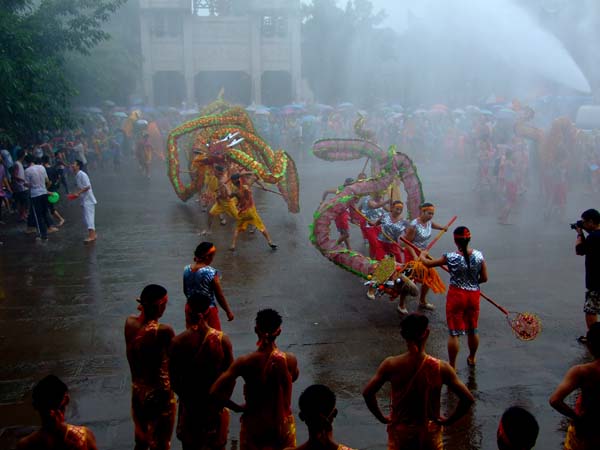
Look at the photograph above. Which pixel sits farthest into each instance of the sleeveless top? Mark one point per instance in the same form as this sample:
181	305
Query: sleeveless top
392	229
163	380
373	214
422	233
460	275
412	403
199	281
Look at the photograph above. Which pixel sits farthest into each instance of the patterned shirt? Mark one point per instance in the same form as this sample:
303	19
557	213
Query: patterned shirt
199	281
392	229
460	275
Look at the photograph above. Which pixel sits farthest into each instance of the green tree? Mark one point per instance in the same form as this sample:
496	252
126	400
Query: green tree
34	38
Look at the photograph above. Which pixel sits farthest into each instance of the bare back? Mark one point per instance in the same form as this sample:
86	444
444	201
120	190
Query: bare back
147	351
416	386
588	402
268	388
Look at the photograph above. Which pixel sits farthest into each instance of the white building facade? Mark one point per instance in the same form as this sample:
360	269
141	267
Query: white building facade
192	49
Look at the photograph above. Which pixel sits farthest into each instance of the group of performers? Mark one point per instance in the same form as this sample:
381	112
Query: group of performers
226	192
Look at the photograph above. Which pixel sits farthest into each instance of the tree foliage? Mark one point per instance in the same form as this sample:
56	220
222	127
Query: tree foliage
341	47
34	38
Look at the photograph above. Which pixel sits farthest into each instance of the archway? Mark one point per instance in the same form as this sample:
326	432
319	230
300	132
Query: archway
276	88
237	86
169	88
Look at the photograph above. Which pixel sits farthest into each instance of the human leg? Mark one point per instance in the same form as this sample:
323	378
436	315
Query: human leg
453	349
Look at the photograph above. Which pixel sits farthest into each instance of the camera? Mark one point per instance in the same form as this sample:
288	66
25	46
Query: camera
578	224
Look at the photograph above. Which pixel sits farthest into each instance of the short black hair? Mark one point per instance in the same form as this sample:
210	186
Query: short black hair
45	159
202	249
316	402
268	320
426	205
198	304
79	163
48	393
29	158
152	294
593	339
591	214
20	153
520	427
413	327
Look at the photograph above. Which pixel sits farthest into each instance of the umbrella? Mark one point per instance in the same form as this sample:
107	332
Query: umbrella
93	109
506	113
141	123
120	114
345	105
109	103
309	118
486	112
439	107
323	107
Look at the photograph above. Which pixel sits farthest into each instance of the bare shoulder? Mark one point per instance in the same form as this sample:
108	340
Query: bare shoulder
31	441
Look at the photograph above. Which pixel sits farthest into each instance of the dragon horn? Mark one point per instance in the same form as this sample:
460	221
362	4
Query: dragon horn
235	142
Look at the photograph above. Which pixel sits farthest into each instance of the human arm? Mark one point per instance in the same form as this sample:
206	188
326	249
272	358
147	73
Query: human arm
465	398
409	235
437	226
569	383
483	275
90	440
430	262
371	389
292	364
221	298
580	247
326	193
222	389
175	367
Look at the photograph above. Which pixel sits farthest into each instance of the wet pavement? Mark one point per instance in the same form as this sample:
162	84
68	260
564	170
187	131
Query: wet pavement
63	304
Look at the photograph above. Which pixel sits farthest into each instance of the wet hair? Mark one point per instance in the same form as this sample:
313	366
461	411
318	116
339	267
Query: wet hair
198	304
316	404
413	327
591	214
593	338
463	242
520	427
48	394
151	294
202	249
268	321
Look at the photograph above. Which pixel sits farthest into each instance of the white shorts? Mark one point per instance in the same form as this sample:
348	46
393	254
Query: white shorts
89	210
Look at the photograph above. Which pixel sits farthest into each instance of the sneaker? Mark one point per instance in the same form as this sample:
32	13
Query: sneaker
371	295
582	340
427	306
273	246
402	311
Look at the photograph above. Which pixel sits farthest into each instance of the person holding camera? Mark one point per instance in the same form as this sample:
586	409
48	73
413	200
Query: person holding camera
590	247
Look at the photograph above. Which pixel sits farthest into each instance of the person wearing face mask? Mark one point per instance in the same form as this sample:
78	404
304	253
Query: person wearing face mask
50	399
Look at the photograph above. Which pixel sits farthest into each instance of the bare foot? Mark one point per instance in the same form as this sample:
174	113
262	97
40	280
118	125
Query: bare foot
471	361
232	249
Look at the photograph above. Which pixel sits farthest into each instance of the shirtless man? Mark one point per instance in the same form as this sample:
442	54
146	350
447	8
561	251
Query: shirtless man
50	399
153	404
247	214
317	411
417	379
517	430
583	432
267	421
198	357
224	203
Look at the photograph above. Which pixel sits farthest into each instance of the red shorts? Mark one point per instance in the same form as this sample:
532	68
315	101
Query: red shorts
342	221
462	311
212	318
389	248
370	234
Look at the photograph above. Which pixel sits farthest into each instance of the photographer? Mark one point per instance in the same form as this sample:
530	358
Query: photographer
590	247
